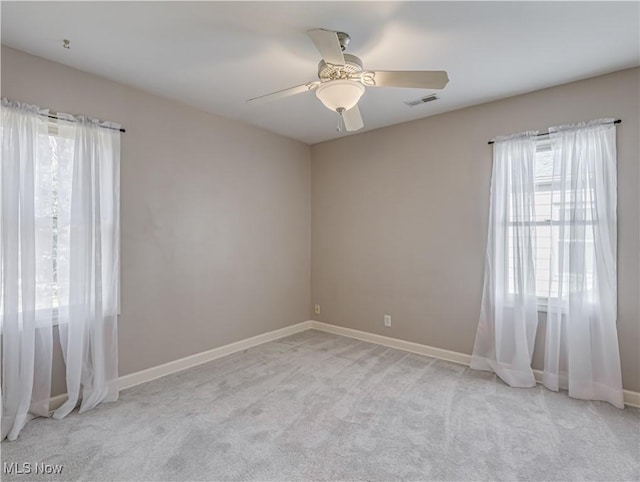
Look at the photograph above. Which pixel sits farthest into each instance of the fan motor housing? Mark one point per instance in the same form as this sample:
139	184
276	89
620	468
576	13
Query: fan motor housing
326	72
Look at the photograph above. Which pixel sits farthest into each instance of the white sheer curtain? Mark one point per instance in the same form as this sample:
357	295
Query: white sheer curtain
59	260
25	268
509	319
581	352
89	276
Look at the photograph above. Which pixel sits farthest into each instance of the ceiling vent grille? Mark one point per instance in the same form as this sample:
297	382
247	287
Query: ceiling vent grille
424	100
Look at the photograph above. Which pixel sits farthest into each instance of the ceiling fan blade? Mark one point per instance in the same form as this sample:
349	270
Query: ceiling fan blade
353	119
419	79
299	89
327	43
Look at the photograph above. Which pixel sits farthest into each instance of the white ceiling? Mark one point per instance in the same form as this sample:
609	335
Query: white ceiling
215	55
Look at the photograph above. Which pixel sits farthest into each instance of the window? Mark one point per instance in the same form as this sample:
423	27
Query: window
52	201
552	261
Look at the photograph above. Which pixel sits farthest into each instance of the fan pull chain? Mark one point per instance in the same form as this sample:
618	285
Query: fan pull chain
340	127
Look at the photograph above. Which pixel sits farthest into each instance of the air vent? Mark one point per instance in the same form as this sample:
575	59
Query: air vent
424	100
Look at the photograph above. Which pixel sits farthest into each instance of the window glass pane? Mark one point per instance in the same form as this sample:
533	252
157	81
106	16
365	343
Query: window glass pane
63	186
43	207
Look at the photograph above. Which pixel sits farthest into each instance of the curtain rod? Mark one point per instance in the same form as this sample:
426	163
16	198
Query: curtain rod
617	121
67	120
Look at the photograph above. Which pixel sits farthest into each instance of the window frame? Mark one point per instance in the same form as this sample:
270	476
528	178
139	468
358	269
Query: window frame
543	302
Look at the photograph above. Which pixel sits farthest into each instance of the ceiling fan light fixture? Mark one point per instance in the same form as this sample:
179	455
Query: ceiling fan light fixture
342	79
340	94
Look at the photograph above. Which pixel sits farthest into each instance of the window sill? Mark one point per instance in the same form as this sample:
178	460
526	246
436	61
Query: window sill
543	306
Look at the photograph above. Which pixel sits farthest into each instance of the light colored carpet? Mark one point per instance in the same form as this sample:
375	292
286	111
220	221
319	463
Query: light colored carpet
316	406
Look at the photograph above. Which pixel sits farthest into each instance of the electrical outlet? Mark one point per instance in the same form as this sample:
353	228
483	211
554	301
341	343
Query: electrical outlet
316	309
387	320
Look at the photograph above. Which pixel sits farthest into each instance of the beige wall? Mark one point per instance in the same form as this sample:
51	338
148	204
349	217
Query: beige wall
215	216
399	216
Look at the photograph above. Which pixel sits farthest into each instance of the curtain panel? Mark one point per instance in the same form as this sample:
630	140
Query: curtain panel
25	234
508	317
581	352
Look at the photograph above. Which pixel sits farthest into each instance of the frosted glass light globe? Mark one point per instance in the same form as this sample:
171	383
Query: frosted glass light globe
340	94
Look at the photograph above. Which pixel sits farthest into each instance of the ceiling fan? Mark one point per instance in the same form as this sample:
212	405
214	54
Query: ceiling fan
343	80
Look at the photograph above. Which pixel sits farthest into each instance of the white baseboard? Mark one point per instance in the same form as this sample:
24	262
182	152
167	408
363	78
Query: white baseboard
127	381
410	346
631	398
57	401
143	376
133	379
